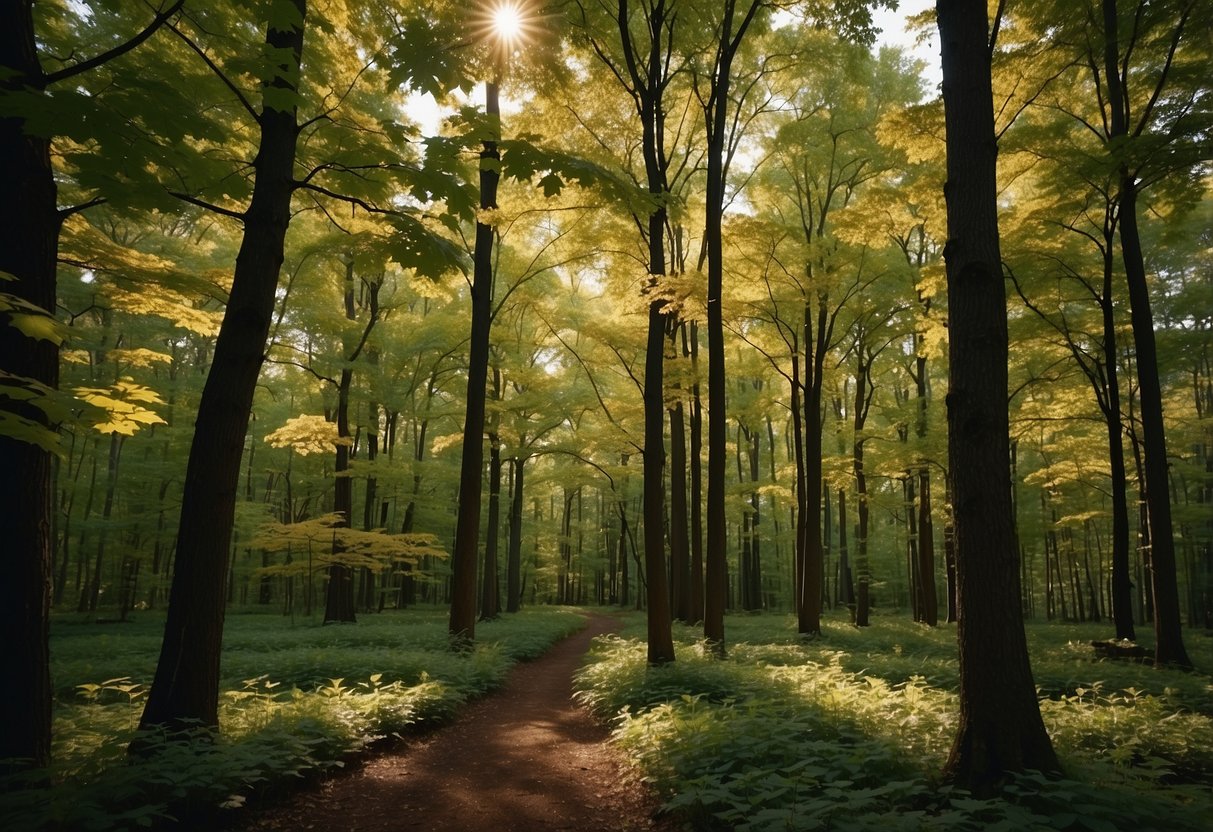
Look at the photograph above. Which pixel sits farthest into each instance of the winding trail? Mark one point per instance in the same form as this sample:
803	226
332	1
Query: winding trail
523	759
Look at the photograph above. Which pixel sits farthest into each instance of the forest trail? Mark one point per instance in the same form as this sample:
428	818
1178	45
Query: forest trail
525	758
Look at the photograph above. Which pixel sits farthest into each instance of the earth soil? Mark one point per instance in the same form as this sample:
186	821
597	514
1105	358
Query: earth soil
523	759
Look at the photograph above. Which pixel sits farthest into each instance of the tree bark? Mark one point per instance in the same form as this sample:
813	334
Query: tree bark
490	596
1000	727
696	530
29	245
513	565
30	222
863	598
185	689
680	541
462	623
715	117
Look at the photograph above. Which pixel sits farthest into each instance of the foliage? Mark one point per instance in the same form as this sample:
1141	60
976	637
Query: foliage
296	700
839	733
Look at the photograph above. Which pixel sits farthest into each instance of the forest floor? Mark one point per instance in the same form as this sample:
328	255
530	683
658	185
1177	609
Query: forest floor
526	757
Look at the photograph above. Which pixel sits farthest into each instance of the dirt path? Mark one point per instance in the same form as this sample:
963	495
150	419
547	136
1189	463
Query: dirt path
523	759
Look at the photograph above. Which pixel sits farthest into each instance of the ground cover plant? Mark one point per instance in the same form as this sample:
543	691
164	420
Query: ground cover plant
849	731
297	698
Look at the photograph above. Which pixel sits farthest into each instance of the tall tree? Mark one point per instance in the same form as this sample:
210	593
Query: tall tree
642	66
462	622
1127	122
185	689
30	224
339	596
1000	727
731	27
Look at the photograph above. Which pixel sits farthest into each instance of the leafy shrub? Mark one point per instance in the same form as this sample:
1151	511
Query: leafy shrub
317	696
834	734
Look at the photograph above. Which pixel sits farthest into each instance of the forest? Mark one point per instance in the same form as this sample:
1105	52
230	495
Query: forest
387	335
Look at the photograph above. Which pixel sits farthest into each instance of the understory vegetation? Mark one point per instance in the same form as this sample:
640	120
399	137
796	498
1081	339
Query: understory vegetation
296	699
850	731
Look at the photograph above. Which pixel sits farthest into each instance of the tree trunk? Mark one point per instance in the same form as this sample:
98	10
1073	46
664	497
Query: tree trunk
680	541
1168	635
185	690
462	626
513	564
715	117
1000	727
490	596
339	598
863	598
809	587
926	551
1169	645
29	244
696	529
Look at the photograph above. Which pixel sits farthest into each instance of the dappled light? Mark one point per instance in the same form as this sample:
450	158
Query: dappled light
630	416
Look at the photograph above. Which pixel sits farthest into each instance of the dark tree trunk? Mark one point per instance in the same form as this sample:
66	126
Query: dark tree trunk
660	638
863	401
1122	584
716	120
462	624
339	596
30	222
490	595
680	541
929	601
846	574
1169	645
647	71
29	244
810	584
1000	727
696	420
1168	634
753	582
949	551
185	690
926	525
513	565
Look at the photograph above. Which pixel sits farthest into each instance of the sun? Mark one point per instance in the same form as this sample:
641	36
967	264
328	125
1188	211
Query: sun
508	22
505	25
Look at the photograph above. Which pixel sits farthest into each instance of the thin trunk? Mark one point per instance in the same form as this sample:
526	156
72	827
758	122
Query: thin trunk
490	595
696	419
1168	635
513	567
680	541
462	623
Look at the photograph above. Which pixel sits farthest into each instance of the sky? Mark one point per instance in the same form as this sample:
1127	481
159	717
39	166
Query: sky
424	111
892	24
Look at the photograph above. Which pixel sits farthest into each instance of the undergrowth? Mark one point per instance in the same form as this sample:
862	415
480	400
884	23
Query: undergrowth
849	731
295	701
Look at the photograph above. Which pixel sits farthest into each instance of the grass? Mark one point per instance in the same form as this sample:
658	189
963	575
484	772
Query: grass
849	731
845	732
296	699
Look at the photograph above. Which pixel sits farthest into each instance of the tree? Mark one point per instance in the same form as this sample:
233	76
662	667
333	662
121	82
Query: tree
339	598
735	20
184	691
642	67
1121	127
1000	728
30	224
462	624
